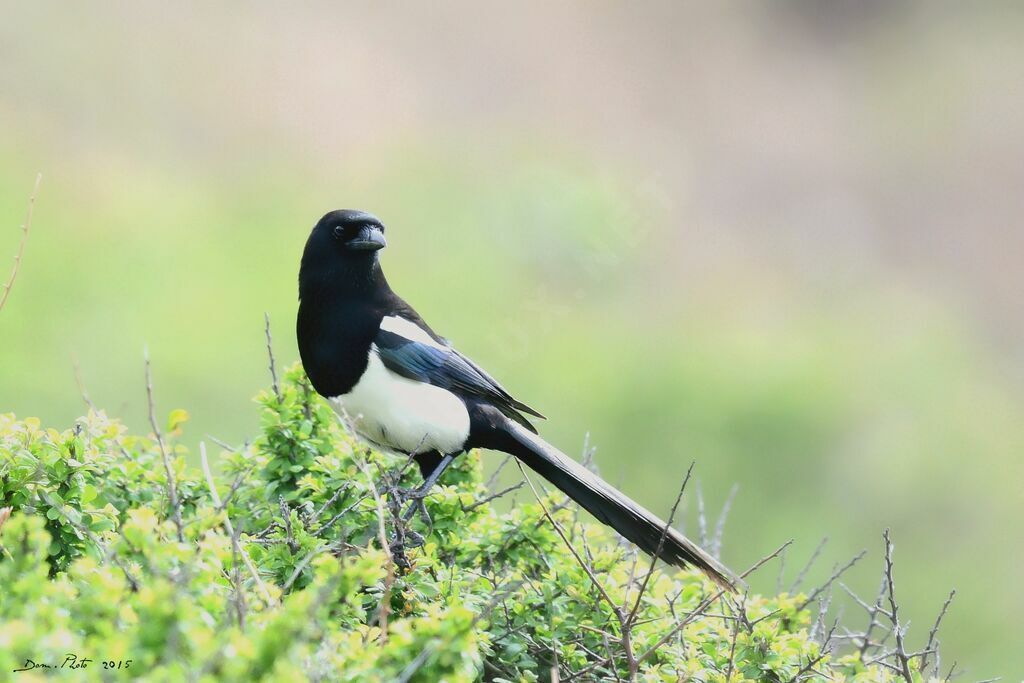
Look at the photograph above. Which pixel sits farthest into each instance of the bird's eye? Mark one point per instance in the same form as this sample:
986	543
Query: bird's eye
339	231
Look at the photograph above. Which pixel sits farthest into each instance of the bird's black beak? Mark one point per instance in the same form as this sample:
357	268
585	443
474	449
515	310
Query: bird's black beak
370	238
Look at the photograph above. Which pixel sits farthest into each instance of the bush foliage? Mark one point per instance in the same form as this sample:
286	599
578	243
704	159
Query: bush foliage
308	584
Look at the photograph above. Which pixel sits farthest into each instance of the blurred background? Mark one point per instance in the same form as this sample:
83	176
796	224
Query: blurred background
783	240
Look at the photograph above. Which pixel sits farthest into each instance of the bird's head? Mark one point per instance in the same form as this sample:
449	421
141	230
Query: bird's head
350	233
343	249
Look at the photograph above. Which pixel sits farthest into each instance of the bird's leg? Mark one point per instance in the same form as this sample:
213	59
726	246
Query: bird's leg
417	495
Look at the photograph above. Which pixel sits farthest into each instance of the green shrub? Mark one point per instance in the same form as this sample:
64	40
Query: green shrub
92	567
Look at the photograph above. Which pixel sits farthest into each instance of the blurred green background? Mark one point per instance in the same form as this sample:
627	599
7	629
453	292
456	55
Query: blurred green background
781	239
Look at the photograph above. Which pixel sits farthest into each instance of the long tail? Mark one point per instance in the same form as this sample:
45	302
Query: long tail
612	507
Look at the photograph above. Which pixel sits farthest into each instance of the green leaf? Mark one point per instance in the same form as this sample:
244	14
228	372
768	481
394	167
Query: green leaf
177	418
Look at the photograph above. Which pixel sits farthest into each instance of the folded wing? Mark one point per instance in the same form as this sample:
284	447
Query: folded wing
444	367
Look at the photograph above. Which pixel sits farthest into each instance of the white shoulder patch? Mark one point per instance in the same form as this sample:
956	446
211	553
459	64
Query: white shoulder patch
409	330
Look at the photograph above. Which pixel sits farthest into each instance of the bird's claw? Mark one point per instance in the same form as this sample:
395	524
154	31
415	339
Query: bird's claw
417	494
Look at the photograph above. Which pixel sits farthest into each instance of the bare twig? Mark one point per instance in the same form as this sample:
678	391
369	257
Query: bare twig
493	479
80	384
807	567
223	444
835	575
21	244
873	613
334	520
483	501
735	634
661	543
933	633
628	585
215	497
782	573
819	622
172	487
233	489
330	501
900	653
587	457
270	356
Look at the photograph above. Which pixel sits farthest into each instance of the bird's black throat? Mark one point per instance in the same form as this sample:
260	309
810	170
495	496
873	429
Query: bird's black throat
341	304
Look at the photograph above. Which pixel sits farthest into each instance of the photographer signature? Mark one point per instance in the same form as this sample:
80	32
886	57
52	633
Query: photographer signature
73	661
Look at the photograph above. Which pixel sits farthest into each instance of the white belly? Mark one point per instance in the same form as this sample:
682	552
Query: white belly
403	414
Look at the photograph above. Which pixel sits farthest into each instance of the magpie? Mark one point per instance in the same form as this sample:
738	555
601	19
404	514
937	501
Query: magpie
402	388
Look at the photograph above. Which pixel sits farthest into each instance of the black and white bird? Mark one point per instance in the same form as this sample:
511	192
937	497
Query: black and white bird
403	388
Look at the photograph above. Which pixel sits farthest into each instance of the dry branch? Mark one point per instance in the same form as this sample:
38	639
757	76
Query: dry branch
270	355
934	632
172	487
900	653
25	227
661	543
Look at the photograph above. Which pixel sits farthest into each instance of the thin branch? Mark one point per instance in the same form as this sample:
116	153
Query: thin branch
172	487
233	489
835	575
934	632
493	496
330	501
661	543
21	244
873	620
628	585
900	653
334	520
782	573
215	497
807	567
224	444
735	636
493	479
270	356
587	457
80	384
